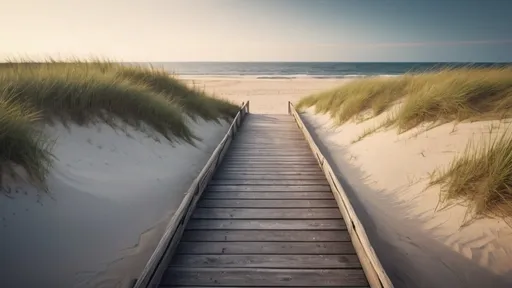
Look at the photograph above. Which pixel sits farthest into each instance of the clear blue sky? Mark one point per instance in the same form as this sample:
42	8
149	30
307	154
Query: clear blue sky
259	30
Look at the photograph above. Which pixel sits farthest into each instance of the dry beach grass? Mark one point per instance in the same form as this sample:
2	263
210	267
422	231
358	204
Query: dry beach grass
85	91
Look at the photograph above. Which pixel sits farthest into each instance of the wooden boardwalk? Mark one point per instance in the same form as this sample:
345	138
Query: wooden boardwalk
267	219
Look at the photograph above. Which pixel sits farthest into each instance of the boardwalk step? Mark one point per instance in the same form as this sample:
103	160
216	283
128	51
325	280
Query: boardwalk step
269	195
226	203
267	248
267	261
237	224
271	182
247	176
266	213
269	188
265	235
264	277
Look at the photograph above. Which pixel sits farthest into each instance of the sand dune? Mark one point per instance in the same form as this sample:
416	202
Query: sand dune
112	193
418	243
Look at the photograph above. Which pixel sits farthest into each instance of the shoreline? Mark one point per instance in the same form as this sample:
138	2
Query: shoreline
278	76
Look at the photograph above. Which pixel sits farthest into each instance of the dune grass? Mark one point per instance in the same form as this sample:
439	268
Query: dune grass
443	96
85	91
482	175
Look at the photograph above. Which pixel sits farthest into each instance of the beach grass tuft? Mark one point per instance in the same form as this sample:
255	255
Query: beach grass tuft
481	176
95	90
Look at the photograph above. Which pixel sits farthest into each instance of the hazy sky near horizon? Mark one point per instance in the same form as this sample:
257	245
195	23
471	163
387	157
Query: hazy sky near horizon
259	30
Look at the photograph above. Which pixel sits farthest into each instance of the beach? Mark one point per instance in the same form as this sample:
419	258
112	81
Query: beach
266	96
113	188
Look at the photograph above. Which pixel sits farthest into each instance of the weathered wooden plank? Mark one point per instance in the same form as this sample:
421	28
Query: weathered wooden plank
174	286
272	150
264	155
272	158
266	235
273	135
233	149
282	248
268	195
271	169
225	203
235	224
269	138
278	127
270	182
268	188
264	277
284	128
269	152
268	176
267	261
286	166
271	141
254	146
267	144
266	213
273	173
270	144
277	132
269	162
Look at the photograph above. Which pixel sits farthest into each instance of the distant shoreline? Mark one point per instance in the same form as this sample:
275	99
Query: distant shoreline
283	77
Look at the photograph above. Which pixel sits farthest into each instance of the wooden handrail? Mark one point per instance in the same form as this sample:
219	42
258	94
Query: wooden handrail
159	260
375	273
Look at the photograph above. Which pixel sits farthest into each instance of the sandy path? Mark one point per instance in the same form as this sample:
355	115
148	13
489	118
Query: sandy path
267	96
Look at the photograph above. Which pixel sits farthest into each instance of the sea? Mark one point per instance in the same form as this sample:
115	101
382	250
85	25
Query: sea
290	70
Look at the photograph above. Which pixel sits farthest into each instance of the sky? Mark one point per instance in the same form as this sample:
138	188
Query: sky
259	30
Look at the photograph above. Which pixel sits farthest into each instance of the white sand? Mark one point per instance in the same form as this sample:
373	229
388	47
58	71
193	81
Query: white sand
111	198
269	96
386	176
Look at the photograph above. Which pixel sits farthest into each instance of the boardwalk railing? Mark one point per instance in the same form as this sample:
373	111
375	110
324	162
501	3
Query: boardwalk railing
377	277
162	255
